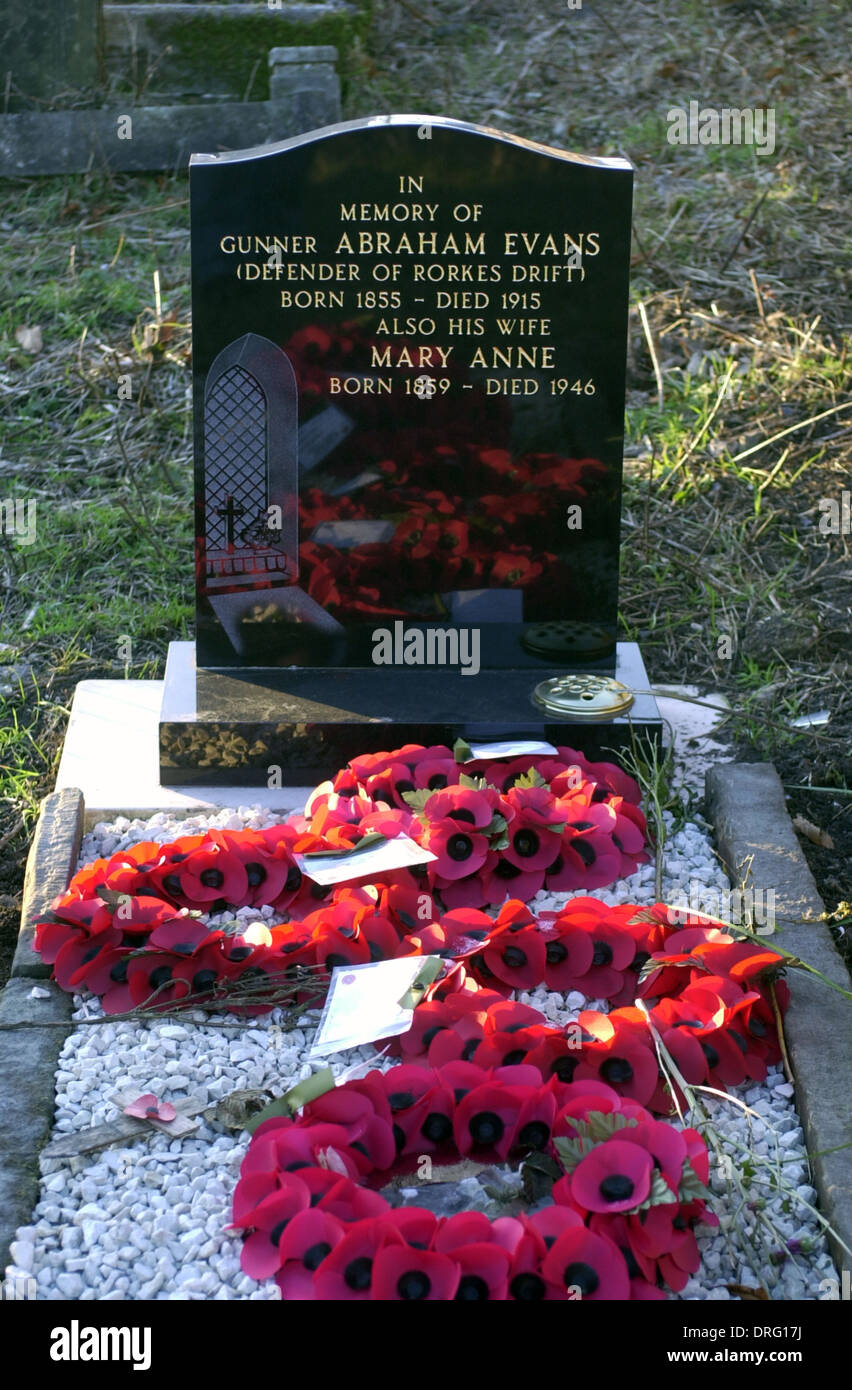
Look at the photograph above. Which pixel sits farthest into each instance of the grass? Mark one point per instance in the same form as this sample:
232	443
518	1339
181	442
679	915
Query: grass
740	263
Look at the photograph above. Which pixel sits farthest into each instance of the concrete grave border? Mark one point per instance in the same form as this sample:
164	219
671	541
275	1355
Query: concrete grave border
746	804
29	1056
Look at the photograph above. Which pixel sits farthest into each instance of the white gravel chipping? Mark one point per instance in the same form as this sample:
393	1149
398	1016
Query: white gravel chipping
147	1221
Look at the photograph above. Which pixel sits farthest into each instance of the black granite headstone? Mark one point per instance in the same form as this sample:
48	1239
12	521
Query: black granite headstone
409	342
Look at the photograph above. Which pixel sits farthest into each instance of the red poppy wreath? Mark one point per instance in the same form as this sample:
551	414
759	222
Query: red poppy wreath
482	1074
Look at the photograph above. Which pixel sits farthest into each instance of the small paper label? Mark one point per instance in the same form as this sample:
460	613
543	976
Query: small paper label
321	435
345	535
346	489
341	868
466	606
363	1003
512	749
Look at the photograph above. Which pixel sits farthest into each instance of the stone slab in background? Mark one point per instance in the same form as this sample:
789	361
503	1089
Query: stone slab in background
215	51
162	137
28	1058
49	51
52	860
747	806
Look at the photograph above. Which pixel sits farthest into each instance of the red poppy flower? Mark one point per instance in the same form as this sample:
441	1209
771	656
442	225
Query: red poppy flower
613	950
463	804
417	1225
591	1263
458	850
486	1119
260	1256
458	1042
665	1144
508	1049
403	1274
614	1176
568	954
620	1056
348	1272
535	828
484	1273
292	1148
552	1221
516	954
556	1056
348	1201
148	1107
437	771
210	875
83	960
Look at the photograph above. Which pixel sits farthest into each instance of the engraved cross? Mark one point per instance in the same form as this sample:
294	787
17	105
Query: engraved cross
231	510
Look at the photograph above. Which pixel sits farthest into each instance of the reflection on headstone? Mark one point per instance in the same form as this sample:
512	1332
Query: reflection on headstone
251	490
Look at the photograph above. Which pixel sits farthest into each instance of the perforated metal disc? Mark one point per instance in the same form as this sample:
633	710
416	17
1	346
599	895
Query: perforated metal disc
589	641
583	698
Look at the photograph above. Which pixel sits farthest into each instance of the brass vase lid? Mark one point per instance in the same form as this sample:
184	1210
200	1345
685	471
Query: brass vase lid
583	697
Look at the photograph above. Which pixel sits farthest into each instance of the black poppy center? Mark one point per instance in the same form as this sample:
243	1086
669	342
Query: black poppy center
436	781
432	1033
459	847
256	875
514	957
638	961
527	1287
556	953
472	1289
585	851
617	1070
118	973
617	1187
526	843
276	1232
313	1257
413	1284
487	1128
159	976
212	878
358	1274
534	1135
400	1100
436	1128
505	869
515	1057
581	1276
603	953
202	980
564	1068
294	878
171	883
711	1054
462	813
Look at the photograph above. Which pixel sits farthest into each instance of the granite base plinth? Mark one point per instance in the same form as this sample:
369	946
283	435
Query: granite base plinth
259	727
